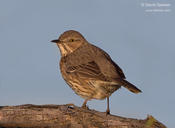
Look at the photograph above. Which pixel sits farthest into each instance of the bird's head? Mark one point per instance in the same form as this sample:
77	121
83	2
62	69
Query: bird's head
69	41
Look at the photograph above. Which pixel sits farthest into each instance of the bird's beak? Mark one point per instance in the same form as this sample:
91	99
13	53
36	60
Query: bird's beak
56	41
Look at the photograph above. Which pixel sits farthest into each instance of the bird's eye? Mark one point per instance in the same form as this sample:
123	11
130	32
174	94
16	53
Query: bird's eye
72	40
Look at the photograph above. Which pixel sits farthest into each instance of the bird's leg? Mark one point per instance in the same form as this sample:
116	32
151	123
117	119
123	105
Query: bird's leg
84	104
70	105
107	110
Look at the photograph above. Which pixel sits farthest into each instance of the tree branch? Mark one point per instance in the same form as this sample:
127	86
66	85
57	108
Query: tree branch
67	116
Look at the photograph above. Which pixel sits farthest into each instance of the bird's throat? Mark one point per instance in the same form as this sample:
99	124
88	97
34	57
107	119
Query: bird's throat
67	48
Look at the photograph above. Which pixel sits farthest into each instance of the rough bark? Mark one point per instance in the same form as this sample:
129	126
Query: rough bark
67	116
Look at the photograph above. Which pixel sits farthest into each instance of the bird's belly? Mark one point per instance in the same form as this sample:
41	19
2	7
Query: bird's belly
105	91
88	88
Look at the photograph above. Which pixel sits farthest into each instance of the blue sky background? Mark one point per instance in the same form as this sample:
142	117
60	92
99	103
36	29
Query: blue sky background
141	43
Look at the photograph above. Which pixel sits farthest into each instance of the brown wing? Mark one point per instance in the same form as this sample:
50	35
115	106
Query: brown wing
89	70
107	65
118	69
93	62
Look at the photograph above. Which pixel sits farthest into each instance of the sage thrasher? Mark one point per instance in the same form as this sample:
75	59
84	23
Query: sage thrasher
89	70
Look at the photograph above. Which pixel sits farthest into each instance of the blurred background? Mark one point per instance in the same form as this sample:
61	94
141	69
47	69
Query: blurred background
141	43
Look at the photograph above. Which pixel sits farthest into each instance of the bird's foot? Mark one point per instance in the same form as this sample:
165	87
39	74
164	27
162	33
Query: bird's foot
85	107
107	112
71	105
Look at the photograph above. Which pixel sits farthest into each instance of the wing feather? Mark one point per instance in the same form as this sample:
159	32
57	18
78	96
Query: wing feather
88	71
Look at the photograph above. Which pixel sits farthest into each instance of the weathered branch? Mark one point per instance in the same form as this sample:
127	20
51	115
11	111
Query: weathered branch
66	116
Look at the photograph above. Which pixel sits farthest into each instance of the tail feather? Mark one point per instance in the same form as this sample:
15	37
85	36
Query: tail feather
129	86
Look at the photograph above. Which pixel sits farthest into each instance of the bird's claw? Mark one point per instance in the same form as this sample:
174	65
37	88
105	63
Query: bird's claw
107	112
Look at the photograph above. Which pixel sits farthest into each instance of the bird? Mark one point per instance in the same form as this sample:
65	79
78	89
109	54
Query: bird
89	70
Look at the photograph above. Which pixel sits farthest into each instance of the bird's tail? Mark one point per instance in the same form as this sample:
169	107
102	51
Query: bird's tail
129	86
